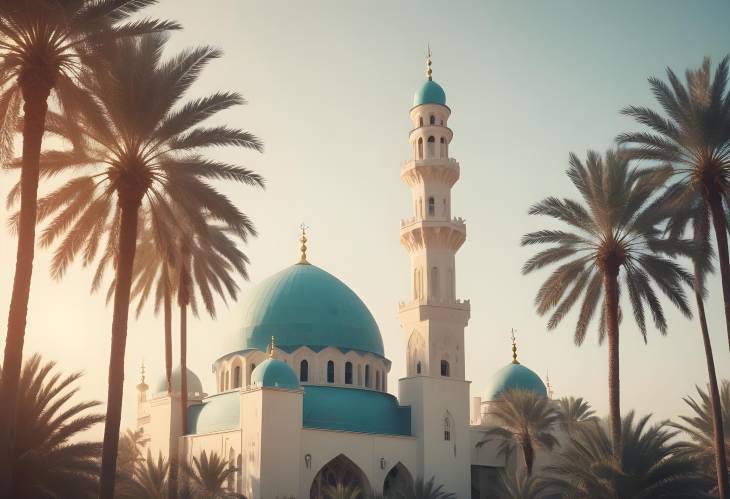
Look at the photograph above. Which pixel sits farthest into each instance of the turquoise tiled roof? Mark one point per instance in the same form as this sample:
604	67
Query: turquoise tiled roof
305	306
429	93
515	377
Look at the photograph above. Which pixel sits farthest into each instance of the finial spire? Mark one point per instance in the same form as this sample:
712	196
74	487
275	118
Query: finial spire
303	247
429	72
142	386
272	347
514	348
549	386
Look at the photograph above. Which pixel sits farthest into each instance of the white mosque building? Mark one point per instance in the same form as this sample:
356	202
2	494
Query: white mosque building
303	402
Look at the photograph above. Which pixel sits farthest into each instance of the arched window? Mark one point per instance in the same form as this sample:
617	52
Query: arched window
420	121
304	370
430	153
432	120
377	380
447	427
330	372
237	377
253	366
445	368
348	373
435	291
431	206
442	148
367	376
418	367
420	148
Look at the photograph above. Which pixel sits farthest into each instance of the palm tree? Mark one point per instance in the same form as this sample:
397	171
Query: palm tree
50	459
140	158
616	231
519	486
129	457
208	476
201	261
700	428
648	465
150	480
694	137
575	412
525	420
421	489
342	491
42	47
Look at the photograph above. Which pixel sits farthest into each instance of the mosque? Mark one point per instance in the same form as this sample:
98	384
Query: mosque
302	400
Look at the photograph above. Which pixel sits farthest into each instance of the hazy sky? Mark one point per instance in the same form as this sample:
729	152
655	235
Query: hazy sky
329	86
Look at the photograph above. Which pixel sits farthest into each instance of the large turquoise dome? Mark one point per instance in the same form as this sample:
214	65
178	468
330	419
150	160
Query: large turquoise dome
429	93
305	306
515	377
274	373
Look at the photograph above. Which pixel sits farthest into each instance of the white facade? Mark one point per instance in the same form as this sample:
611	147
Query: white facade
271	434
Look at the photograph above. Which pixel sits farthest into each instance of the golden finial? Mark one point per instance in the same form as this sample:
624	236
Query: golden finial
514	348
272	346
428	63
549	386
142	386
303	247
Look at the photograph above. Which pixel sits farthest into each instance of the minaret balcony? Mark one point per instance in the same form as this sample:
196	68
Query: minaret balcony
439	309
416	171
417	233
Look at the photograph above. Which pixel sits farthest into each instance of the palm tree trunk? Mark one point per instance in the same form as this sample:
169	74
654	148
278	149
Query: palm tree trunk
172	449
718	221
529	453
35	95
127	248
718	432
610	280
183	366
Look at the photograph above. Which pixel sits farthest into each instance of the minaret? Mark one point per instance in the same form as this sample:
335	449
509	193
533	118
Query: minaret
433	320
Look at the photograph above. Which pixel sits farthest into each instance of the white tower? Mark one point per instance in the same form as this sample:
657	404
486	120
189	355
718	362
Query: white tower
434	319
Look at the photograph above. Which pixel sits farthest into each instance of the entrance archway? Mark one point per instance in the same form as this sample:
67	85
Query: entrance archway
397	479
340	472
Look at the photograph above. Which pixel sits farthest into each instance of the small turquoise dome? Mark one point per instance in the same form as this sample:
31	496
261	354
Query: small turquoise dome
220	412
274	373
194	384
429	93
305	306
515	377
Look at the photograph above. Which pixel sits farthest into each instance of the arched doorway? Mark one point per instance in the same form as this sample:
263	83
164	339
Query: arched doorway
341	472
397	479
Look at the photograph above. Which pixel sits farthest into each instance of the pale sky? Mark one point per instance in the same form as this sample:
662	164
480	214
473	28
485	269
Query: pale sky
329	86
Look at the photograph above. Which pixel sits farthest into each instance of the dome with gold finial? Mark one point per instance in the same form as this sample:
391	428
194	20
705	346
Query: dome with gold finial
430	92
274	373
515	376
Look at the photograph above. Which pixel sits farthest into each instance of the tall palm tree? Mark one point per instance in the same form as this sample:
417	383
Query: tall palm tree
525	420
423	489
50	459
43	45
694	137
575	412
696	214
208	476
140	156
615	232
648	465
201	264
700	428
129	457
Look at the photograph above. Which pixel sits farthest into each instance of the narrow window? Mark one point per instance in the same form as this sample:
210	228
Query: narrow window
330	372
442	148
377	380
445	368
253	366
420	148
237	377
418	367
447	428
432	120
348	373
420	121
431	206
304	370
431	152
367	376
